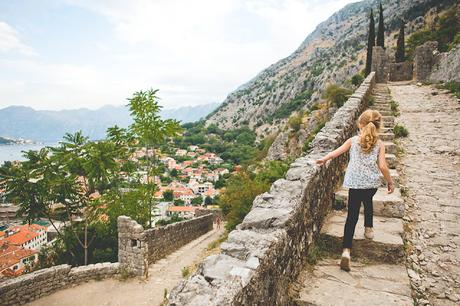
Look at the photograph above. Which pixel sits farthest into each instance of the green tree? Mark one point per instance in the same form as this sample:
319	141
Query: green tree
168	195
370	43
208	201
336	95
400	45
150	131
381	29
197	201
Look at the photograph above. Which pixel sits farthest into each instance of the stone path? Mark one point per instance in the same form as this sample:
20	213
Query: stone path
163	275
431	171
378	276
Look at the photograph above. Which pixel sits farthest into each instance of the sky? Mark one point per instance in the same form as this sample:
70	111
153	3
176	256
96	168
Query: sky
67	54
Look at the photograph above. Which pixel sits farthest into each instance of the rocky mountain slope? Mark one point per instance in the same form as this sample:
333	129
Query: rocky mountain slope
332	53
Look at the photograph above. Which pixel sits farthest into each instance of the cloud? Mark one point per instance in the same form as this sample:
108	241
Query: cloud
195	52
9	41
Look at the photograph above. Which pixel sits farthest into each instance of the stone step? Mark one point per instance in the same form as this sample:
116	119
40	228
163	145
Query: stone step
385	205
385	112
394	176
387	136
387	245
370	285
390	147
385	130
391	160
388	119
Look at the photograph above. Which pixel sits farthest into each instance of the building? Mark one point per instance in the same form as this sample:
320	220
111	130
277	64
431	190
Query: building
8	212
192	148
14	260
202	188
181	152
27	236
187	212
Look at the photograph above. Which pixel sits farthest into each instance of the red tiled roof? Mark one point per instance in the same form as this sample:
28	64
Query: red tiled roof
10	255
182	209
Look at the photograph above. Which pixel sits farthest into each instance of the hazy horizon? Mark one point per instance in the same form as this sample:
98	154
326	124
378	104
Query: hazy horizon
95	53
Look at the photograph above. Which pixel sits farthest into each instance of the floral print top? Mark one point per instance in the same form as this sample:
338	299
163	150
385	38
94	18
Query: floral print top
362	171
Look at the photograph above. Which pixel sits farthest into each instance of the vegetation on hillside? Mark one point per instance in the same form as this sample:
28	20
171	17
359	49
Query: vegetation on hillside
445	30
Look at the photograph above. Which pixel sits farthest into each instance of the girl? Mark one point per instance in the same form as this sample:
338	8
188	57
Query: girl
367	156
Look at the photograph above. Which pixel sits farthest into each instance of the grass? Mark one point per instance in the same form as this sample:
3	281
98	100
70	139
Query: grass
125	274
400	131
453	87
371	100
316	252
312	135
216	243
394	108
185	271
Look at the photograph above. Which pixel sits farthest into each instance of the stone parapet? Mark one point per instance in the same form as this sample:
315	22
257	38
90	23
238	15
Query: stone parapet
267	251
401	71
137	248
424	60
29	287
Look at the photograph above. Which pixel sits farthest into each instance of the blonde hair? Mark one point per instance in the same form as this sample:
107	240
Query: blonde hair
370	121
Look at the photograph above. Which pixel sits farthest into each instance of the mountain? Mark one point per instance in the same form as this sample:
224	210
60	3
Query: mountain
49	126
332	53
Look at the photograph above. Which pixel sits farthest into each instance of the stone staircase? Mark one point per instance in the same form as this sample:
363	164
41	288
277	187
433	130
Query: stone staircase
378	275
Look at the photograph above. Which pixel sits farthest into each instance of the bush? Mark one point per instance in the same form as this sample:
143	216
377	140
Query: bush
453	87
336	95
400	131
357	79
295	122
394	108
371	100
286	109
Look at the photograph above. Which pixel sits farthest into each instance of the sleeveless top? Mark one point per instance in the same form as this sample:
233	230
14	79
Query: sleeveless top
362	171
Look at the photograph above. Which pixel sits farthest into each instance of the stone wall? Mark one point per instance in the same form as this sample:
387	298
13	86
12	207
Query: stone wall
29	287
424	60
401	71
446	66
137	248
267	251
380	64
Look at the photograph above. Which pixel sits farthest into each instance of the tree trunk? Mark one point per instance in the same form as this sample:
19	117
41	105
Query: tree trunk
85	246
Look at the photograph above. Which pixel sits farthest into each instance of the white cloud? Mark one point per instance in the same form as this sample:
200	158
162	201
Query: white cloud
195	52
9	40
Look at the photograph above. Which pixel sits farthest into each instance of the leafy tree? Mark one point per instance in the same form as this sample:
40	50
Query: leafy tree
208	201
168	195
400	47
174	173
150	131
336	95
197	201
357	79
179	202
381	29
370	43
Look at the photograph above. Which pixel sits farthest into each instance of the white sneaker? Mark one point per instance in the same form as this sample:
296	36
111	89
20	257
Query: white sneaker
369	233
345	262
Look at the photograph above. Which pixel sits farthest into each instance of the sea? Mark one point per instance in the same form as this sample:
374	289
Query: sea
15	151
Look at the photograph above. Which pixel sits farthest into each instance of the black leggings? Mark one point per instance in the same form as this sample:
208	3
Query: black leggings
355	197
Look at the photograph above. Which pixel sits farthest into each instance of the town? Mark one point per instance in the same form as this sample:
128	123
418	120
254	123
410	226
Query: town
191	180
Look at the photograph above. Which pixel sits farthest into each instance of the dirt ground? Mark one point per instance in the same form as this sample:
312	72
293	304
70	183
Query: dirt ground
163	275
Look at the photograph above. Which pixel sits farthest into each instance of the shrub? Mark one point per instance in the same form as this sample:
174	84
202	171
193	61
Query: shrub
185	272
336	95
306	145
400	131
357	79
394	108
453	87
371	100
286	109
294	122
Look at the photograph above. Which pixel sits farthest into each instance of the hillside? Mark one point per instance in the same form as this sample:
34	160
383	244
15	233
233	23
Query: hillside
332	53
25	122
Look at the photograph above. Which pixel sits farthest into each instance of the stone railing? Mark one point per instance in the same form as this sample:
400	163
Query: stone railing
29	287
137	248
267	251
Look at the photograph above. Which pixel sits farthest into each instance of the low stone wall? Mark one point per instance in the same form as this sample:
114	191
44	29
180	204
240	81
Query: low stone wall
401	71
267	251
424	60
137	248
29	287
380	64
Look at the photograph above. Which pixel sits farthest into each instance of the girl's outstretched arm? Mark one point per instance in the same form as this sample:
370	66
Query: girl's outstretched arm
384	168
337	152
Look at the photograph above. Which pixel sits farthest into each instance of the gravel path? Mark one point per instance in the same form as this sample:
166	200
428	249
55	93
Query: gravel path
431	173
164	274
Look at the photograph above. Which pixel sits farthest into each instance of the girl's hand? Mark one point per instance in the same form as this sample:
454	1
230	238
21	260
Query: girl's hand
391	188
321	161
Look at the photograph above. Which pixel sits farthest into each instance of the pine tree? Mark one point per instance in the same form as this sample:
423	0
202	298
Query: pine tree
370	43
400	52
381	29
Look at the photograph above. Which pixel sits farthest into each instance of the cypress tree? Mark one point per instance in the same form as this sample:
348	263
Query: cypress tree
370	43
381	29
400	52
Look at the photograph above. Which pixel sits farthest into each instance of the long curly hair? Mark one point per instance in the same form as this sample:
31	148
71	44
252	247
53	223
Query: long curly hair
370	121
